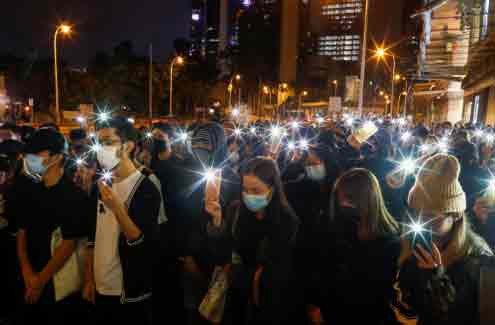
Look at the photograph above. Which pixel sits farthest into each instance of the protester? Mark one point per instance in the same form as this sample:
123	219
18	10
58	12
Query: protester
122	249
51	223
260	232
438	281
360	253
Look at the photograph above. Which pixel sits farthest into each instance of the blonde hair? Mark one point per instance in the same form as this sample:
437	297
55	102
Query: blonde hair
461	242
362	189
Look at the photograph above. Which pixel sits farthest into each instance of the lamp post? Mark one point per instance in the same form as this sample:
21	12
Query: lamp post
364	46
230	88
301	95
381	53
178	60
335	85
66	30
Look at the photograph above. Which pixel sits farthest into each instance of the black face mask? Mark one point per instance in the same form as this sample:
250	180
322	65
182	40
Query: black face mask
159	146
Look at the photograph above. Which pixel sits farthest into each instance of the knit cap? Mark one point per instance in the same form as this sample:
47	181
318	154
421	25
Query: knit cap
437	187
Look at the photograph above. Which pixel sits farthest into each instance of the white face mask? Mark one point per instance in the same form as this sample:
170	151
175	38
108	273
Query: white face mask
107	157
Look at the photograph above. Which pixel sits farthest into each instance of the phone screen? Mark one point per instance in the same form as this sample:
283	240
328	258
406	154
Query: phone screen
424	239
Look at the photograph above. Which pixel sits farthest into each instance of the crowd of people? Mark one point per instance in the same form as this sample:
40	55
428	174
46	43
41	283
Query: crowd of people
342	220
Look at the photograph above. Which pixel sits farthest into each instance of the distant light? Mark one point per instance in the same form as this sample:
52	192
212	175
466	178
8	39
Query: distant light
349	121
95	147
195	17
149	135
490	138
320	120
209	175
131	120
295	125
417	228
80	119
304	144
183	136
291	146
380	121
103	116
246	3
276	131
408	166
80	162
425	148
252	130
238	132
406	136
92	135
106	176
443	146
212	111
479	133
236	112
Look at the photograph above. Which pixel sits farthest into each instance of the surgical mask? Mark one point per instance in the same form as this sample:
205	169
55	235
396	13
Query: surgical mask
316	173
35	165
107	157
255	203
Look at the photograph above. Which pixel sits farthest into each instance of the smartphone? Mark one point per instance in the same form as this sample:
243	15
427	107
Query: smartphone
213	185
425	239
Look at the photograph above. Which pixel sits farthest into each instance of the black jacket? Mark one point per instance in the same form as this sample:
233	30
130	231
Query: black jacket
444	296
138	257
353	282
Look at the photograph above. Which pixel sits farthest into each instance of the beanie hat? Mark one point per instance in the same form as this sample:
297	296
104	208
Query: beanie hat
437	187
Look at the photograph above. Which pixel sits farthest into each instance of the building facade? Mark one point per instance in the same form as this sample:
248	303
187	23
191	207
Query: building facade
479	84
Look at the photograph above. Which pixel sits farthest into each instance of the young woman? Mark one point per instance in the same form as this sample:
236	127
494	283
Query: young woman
259	232
353	283
438	280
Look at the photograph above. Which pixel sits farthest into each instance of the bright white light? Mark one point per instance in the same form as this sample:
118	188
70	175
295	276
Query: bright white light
349	121
443	146
425	148
131	120
149	135
291	146
209	175
406	136
253	130
408	166
237	132
479	133
417	228
369	125
236	112
401	122
295	125
80	162
183	136
195	17
103	116
276	131
320	120
92	135
304	144
212	111
491	185
490	138
106	176
380	121
95	147
81	119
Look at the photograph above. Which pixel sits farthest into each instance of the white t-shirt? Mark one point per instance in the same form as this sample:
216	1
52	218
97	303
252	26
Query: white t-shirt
107	266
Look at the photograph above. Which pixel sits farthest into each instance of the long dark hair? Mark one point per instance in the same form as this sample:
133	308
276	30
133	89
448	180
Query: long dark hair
362	188
280	216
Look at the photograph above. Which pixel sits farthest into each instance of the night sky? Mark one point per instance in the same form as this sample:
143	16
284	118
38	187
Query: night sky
27	25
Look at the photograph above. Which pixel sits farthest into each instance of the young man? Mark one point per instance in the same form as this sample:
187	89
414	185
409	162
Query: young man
51	221
122	245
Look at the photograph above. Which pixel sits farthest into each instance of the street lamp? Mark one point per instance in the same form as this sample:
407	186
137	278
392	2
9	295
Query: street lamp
66	30
179	60
230	87
301	95
335	84
381	53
